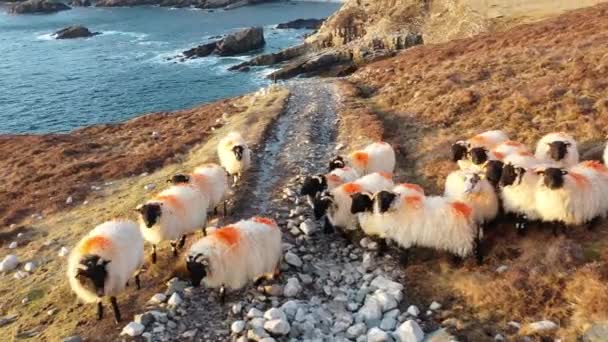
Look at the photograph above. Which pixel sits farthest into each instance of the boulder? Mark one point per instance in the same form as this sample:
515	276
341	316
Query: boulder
201	50
125	3
308	24
75	31
38	6
312	64
241	41
80	3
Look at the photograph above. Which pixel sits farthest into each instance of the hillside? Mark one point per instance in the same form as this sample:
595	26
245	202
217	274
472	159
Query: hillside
529	80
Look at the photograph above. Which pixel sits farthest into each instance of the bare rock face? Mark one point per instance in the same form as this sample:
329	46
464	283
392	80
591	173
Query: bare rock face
233	44
309	24
72	32
125	3
80	3
38	6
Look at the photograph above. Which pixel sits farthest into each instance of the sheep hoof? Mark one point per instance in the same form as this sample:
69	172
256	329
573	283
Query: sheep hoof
137	282
328	228
99	311
115	308
222	295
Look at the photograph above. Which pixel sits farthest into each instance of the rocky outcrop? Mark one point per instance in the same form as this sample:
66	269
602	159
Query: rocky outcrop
315	64
38	6
125	3
275	58
72	32
309	24
233	44
205	4
80	3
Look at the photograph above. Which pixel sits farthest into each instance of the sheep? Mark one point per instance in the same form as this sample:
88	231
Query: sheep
211	180
488	140
236	254
476	191
376	157
171	214
336	163
509	147
336	204
314	185
574	196
559	148
606	155
234	155
104	260
435	222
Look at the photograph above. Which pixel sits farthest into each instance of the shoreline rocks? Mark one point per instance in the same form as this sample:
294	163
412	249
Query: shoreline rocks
233	44
308	24
75	31
38	6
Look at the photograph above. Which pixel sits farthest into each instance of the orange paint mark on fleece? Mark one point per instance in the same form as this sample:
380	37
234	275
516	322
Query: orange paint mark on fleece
462	209
413	201
579	179
478	139
386	175
414	187
334	178
95	243
351	188
499	156
595	165
172	201
512	143
525	154
361	158
228	235
265	220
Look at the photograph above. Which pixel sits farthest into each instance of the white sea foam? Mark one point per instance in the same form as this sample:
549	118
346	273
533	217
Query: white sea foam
136	35
46	36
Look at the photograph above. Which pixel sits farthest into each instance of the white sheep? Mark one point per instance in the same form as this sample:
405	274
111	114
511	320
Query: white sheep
236	254
559	148
314	185
434	222
487	140
234	155
171	214
509	147
474	190
211	180
104	260
336	204
606	155
575	196
376	157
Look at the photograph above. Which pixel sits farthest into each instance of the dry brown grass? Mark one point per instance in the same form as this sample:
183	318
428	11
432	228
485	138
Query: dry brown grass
47	288
529	80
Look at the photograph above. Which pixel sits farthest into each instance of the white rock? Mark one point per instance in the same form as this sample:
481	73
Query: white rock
413	310
9	263
499	337
256	334
20	235
29	266
356	330
158	298
277	327
275	313
435	306
268	339
371	311
388	323
20	275
63	251
392	287
253	313
502	269
175	300
542	326
514	324
308	227
409	331
378	335
290	308
13	245
133	329
292	288
237	327
293	260
149	186
236	308
387	301
155	134
69	200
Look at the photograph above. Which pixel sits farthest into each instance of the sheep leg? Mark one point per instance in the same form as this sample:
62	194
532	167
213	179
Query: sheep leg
477	251
225	208
215	211
137	282
204	231
99	311
182	242
154	254
174	248
222	294
382	247
404	256
115	308
556	226
591	224
328	228
521	224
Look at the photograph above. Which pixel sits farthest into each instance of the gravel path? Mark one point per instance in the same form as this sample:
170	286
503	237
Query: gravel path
329	289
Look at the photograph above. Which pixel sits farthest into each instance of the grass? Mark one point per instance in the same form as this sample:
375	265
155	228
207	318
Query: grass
47	287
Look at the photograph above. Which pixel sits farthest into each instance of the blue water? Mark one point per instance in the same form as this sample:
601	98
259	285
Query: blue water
51	85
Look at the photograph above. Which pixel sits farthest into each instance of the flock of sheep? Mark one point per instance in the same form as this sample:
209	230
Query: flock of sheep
357	192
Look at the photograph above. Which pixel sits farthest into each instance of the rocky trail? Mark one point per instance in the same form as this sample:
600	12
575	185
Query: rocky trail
329	289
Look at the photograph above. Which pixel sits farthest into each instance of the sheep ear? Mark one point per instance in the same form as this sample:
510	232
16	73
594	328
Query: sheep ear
564	172
540	172
568	144
139	208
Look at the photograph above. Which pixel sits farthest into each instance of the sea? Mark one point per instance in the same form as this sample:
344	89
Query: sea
49	85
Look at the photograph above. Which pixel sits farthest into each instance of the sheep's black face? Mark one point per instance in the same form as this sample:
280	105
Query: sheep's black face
92	273
150	213
554	178
336	163
494	171
179	178
321	204
362	202
385	200
459	151
479	155
238	152
508	175
558	150
313	185
197	266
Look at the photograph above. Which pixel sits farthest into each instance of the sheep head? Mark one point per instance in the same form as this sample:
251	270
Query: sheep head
384	200
558	149
92	273
198	267
322	203
238	152
150	213
179	178
553	178
362	202
459	151
336	163
313	185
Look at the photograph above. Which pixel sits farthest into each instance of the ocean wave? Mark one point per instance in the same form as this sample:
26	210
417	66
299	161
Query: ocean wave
46	36
137	35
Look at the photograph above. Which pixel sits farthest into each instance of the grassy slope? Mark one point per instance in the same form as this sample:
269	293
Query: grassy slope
530	80
47	288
